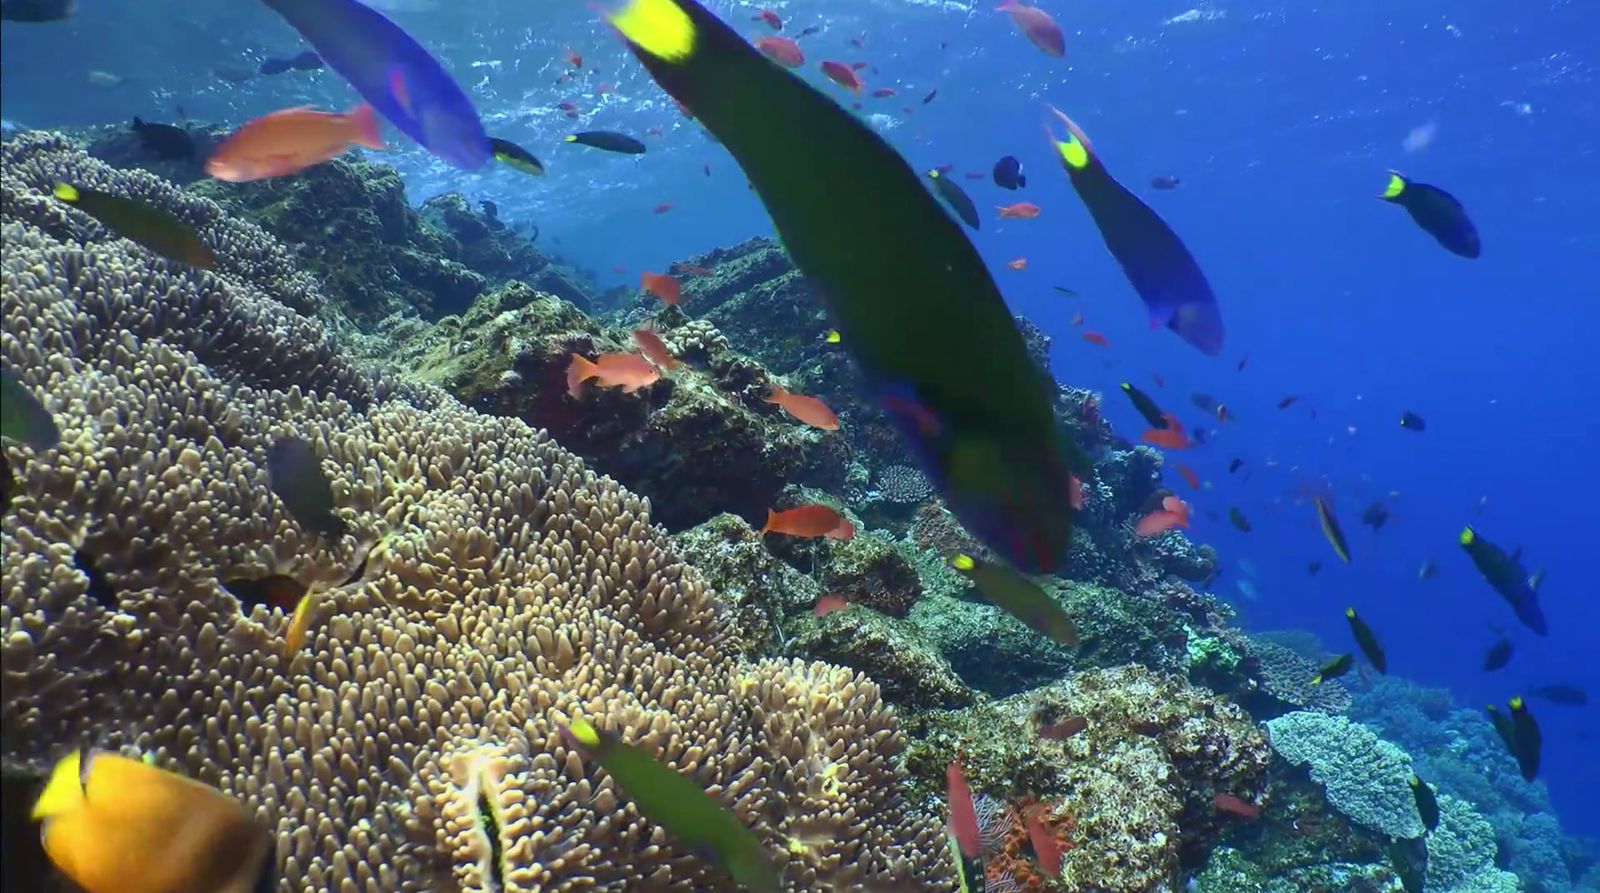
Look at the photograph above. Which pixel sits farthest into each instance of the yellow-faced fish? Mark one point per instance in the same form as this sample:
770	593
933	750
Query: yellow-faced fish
1147	407
514	156
114	824
294	633
136	221
678	805
23	418
1368	640
1427	803
1330	530
1333	669
1019	597
833	336
607	140
298	480
1526	740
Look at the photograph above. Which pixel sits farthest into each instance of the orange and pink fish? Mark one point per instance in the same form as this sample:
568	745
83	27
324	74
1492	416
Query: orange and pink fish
291	140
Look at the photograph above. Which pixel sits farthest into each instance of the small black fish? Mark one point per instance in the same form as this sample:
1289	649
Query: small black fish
1502	727
169	143
1334	668
1165	181
1147	407
607	140
1563	694
1427	803
22	417
1437	212
298	480
1498	655
1064	290
1412	422
1526	741
810	30
306	61
955	197
489	209
514	156
1238	519
1202	435
1008	173
37	10
1410	858
274	591
1368	640
151	227
273	65
929	98
1376	515
1235	465
1313	567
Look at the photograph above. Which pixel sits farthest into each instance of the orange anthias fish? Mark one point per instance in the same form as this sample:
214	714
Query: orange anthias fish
1227	803
1044	845
781	50
963	812
664	287
1174	512
1018	211
1097	338
809	521
292	140
1020	263
827	604
1172	437
771	18
843	75
807	409
628	371
1189	476
654	348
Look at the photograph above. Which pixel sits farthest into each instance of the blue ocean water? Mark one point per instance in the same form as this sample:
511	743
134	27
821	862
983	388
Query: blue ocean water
1280	119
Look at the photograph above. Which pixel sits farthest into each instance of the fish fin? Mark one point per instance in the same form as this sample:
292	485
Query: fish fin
397	87
771	516
579	371
63	793
366	123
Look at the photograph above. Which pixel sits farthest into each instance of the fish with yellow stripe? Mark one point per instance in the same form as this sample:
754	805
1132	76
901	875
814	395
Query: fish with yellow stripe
920	313
114	824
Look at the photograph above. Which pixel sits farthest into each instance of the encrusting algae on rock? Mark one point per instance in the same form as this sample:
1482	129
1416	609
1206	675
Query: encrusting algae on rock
513	588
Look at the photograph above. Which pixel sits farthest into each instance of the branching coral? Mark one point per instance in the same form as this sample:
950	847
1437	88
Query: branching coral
492	587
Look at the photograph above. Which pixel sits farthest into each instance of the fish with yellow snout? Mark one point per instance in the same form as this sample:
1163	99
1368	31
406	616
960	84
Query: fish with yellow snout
114	824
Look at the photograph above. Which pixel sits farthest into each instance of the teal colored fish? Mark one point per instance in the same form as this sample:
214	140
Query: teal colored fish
917	307
23	418
677	804
1019	597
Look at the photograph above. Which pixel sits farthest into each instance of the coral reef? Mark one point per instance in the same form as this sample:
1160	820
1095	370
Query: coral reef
1365	777
1283	680
490	587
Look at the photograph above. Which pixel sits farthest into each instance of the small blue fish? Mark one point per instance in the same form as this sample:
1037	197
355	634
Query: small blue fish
394	73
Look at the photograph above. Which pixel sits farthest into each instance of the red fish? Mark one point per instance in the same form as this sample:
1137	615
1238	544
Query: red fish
1018	211
771	18
1074	492
1244	809
842	74
1020	263
883	92
809	521
1063	729
827	604
1037	26
628	371
963	814
292	140
782	50
654	348
573	59
1096	338
1045	847
1174	512
1189	476
1172	437
664	287
807	409
662	208
691	269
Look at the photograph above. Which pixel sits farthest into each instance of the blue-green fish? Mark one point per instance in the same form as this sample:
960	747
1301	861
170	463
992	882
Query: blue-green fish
23	418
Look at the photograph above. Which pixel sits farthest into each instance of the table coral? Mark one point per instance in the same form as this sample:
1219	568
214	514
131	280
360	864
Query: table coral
492	586
1365	776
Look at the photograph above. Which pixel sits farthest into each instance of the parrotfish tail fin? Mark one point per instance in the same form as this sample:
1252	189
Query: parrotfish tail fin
1397	185
579	371
366	122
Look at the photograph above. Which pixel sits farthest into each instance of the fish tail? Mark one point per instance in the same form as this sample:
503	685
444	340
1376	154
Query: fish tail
366	125
579	371
771	516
